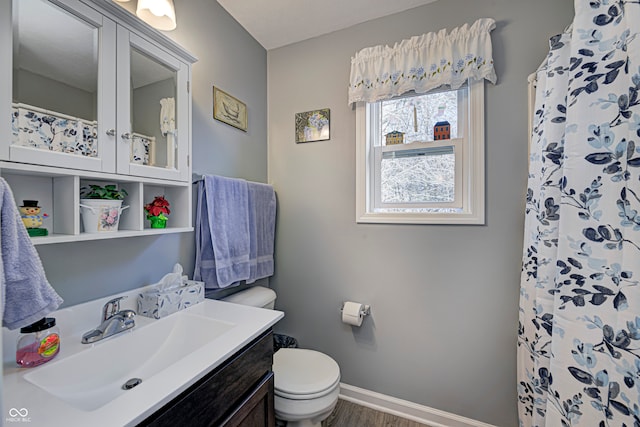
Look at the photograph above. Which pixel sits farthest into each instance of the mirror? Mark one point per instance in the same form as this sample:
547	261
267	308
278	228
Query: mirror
55	60
153	111
55	79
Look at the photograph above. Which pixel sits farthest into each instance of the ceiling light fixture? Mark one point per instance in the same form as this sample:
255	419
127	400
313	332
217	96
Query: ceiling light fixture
160	14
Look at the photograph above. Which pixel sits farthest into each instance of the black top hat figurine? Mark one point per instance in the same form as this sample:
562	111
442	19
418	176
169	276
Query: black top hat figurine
32	218
29	204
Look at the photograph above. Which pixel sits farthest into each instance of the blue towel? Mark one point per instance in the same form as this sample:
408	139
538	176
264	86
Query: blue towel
222	237
27	296
262	226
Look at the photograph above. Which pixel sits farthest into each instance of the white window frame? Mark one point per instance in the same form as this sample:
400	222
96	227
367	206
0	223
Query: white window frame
470	175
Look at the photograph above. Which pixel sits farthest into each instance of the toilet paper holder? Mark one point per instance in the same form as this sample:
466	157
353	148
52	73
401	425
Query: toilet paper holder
365	310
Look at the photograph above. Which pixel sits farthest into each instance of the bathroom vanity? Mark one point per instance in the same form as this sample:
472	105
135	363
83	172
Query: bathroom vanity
209	364
237	393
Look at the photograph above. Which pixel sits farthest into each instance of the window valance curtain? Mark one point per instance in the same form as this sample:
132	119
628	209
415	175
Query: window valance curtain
423	63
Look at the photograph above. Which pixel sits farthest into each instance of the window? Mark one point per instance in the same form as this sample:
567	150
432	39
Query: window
420	158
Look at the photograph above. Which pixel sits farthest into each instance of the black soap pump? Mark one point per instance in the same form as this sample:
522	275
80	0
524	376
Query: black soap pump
39	343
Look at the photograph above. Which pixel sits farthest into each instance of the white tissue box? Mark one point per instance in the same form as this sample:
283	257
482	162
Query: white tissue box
161	303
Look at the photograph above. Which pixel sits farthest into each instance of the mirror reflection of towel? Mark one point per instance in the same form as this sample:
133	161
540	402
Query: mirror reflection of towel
26	295
168	127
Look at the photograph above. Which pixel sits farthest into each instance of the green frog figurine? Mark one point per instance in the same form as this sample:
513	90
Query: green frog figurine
32	218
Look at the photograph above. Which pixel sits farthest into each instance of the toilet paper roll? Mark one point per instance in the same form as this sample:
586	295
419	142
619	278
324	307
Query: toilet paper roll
352	313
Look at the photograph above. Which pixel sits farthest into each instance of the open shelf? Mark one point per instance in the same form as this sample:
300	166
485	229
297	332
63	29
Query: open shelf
85	237
58	194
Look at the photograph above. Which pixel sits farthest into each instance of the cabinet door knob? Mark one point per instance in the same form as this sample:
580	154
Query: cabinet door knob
126	136
111	132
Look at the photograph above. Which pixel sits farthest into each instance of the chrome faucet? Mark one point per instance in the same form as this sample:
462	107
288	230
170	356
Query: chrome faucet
114	321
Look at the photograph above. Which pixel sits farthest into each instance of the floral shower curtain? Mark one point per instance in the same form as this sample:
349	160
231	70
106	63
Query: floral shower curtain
579	329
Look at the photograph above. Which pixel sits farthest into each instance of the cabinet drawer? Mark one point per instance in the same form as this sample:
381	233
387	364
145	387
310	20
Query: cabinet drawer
257	410
222	392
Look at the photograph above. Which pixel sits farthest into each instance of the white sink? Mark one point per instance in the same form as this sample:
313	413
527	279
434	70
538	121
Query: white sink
82	386
92	378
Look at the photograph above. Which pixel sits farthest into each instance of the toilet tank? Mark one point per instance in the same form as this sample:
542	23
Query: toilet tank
256	296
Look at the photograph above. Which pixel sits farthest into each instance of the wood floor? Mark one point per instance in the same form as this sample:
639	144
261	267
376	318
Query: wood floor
349	414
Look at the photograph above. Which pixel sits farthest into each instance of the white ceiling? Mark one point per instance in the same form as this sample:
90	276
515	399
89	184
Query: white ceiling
276	23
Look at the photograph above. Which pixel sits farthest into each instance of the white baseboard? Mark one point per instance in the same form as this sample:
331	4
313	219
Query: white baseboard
405	409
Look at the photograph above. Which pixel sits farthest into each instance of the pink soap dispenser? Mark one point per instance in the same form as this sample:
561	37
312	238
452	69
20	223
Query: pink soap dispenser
39	343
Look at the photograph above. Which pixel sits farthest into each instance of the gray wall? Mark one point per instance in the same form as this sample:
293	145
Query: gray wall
228	57
444	298
232	60
41	91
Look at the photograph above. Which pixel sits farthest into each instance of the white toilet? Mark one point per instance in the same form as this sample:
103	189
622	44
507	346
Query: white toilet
307	382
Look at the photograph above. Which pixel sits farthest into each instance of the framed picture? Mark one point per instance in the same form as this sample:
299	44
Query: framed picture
312	126
229	110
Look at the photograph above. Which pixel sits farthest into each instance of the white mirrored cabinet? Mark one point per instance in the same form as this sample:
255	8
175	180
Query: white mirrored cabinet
88	92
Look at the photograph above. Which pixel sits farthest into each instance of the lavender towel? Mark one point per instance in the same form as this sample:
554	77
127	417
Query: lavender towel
222	237
262	224
26	296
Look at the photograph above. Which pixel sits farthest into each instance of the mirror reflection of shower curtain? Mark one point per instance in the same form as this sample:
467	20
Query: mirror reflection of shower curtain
168	128
579	323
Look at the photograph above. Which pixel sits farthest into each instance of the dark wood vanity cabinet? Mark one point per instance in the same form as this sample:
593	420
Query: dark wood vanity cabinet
256	409
238	393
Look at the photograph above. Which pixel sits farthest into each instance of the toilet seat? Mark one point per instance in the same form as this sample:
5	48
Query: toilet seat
302	374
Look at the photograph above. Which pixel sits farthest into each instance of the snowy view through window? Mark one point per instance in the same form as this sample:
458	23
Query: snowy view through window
423	175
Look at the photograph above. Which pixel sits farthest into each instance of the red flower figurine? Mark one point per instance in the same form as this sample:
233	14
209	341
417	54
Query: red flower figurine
158	208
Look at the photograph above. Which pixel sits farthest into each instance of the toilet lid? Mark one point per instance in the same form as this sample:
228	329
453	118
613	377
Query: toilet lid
304	374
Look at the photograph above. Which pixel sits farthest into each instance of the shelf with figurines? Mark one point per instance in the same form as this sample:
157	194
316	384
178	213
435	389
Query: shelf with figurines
58	206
